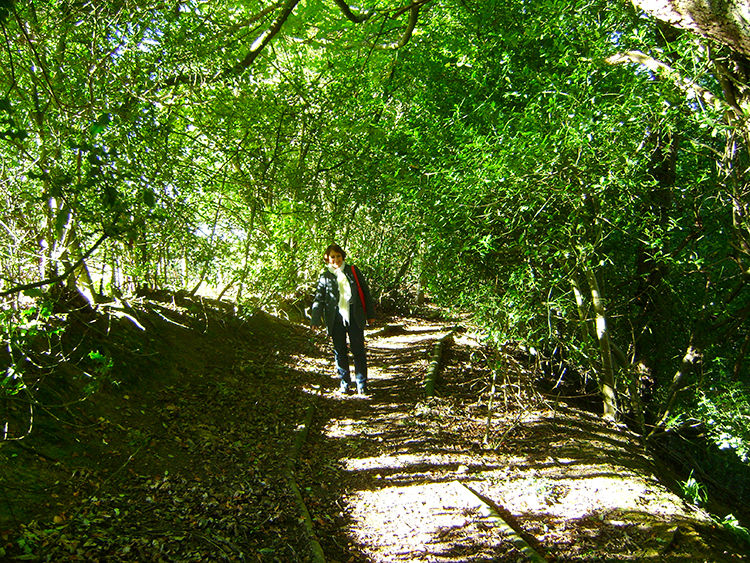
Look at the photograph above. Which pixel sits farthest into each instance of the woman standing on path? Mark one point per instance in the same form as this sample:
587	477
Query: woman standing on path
343	299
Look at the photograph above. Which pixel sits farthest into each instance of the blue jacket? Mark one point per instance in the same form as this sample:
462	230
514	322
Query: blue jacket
326	301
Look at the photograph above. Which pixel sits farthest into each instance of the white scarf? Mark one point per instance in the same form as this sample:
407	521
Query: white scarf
345	290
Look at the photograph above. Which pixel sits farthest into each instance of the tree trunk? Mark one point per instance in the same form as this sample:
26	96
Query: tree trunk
636	403
691	357
740	359
726	22
583	314
82	276
607	383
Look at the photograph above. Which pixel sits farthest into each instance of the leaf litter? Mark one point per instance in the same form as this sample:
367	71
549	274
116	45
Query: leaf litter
186	458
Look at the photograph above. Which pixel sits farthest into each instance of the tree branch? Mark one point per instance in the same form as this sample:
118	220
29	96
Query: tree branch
413	17
347	11
62	276
262	41
726	22
660	68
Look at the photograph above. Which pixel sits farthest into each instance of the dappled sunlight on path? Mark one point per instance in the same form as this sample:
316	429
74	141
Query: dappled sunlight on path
569	484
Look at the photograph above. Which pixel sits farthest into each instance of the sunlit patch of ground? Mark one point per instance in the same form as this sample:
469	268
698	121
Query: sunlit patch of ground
423	523
575	488
417	516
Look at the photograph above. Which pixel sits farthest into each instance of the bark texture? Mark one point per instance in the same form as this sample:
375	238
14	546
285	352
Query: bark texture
725	21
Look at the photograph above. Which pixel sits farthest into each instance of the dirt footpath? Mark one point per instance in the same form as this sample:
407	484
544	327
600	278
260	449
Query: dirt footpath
190	454
401	478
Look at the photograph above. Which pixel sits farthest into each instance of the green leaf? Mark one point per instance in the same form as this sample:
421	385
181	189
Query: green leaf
148	198
33	292
5	7
101	124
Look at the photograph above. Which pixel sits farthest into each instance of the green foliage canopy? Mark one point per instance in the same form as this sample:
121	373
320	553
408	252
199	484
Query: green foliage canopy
526	160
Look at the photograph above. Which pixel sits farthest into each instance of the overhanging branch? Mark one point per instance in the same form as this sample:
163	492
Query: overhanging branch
413	18
264	39
62	276
658	67
347	11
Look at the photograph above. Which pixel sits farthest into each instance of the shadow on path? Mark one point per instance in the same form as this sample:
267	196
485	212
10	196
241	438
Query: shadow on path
384	476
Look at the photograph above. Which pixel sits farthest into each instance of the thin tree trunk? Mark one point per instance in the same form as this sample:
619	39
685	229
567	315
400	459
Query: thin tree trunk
607	384
636	404
490	407
740	358
83	276
58	278
583	316
691	357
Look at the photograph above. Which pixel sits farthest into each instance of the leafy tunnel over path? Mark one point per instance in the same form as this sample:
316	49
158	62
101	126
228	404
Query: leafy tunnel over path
182	455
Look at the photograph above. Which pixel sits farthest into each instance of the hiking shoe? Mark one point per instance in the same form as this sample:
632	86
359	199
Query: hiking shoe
363	392
343	388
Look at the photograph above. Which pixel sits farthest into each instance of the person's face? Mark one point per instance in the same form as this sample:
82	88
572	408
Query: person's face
335	259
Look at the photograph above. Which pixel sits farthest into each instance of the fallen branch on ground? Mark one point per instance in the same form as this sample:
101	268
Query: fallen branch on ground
434	367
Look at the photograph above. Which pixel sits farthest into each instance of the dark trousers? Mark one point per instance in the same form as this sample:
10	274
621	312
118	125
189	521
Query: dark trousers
341	354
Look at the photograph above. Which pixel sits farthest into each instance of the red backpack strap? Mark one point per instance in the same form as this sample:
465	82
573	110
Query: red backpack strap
359	288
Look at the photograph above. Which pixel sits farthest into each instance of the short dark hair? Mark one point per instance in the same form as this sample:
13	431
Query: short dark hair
334	248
